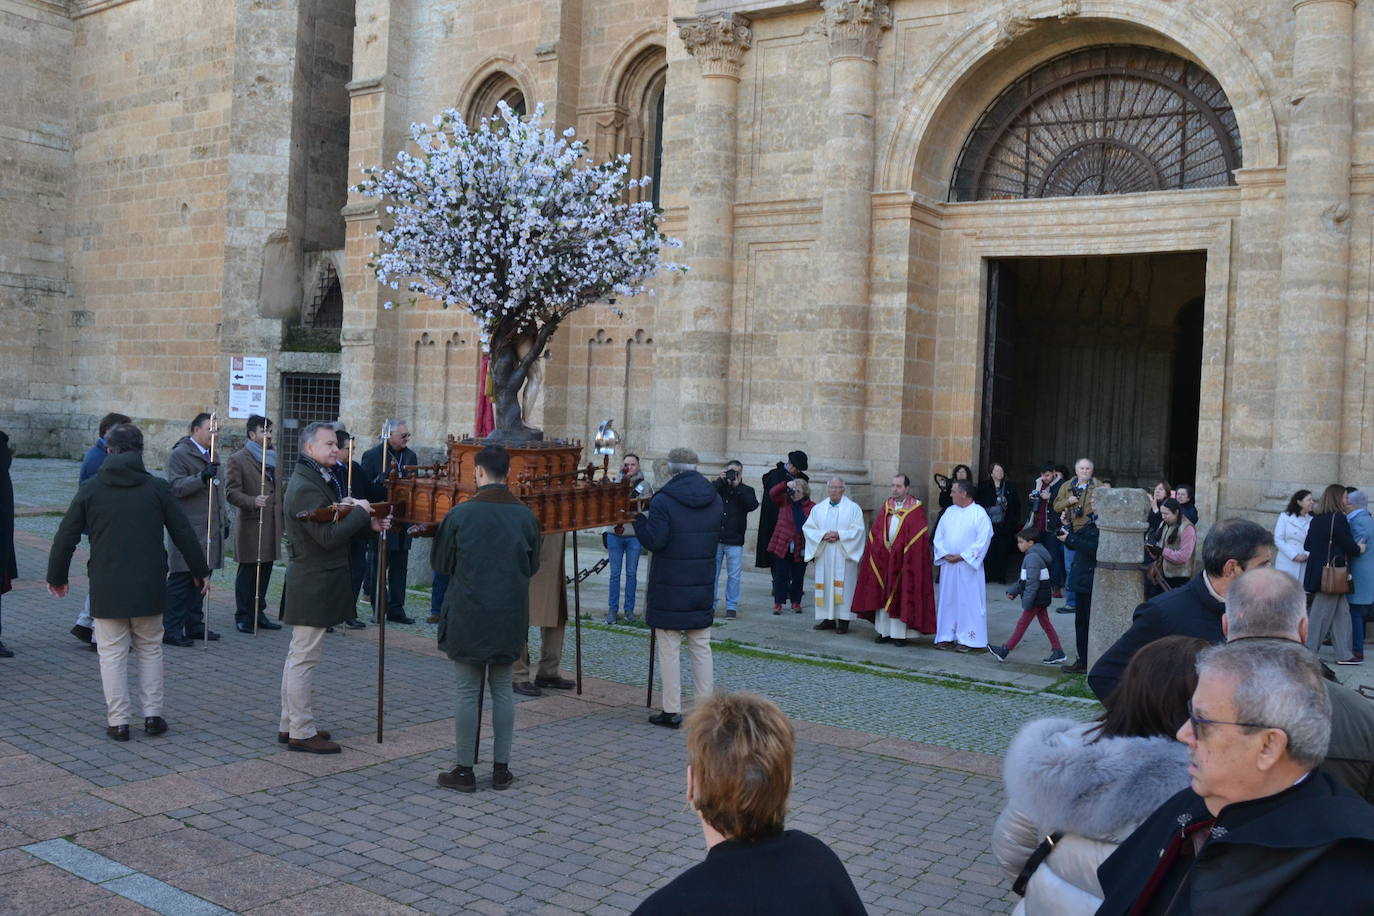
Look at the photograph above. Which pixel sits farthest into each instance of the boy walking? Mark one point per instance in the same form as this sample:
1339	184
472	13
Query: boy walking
1033	589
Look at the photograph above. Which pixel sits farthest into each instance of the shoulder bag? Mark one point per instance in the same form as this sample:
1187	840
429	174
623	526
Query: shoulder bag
1335	579
1039	855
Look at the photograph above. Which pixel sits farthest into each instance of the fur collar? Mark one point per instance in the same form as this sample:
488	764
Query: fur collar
1100	790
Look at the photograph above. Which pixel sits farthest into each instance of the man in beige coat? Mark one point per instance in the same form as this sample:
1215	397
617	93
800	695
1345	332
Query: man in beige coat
250	485
195	481
548	612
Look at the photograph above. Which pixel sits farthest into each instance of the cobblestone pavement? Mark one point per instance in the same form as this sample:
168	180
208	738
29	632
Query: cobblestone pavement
895	770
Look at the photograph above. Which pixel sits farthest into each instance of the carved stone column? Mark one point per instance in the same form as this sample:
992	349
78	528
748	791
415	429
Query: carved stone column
1314	279
718	43
1118	584
854	28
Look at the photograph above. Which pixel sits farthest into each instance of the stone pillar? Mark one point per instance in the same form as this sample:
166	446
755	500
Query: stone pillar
1119	584
718	43
854	28
1315	276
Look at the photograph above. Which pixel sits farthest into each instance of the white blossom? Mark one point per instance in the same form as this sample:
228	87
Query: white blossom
512	222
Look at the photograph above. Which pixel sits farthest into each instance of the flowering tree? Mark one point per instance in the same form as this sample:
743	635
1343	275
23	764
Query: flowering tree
518	226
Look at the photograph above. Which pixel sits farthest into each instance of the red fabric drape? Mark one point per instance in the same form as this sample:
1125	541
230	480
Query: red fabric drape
486	420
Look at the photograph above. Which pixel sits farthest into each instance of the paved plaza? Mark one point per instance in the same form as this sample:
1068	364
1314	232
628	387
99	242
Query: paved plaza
897	767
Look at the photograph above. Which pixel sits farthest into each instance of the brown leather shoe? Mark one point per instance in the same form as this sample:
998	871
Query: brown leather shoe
117	732
459	778
285	737
313	745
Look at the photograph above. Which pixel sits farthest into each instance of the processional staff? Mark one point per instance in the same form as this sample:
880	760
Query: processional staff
210	525
262	514
379	589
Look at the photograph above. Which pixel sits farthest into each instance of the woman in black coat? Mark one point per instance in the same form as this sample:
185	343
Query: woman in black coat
1329	542
1004	509
9	570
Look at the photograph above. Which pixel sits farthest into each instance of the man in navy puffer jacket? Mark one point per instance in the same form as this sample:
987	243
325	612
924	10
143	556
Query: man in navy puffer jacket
681	530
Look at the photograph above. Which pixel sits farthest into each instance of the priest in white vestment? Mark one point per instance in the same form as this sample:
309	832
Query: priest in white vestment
961	544
835	542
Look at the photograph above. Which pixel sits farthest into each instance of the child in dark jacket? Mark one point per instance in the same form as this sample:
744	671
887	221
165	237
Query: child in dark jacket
1034	591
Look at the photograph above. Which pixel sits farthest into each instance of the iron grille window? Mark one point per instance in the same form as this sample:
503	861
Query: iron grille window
1115	119
306	399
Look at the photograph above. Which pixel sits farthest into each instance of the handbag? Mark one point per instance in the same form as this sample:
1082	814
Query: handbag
1039	855
1335	579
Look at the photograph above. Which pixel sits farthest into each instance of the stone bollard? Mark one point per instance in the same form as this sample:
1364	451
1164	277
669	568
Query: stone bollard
1119	583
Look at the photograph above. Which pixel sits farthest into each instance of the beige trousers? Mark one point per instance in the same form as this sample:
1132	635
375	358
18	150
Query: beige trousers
670	665
550	656
297	711
115	638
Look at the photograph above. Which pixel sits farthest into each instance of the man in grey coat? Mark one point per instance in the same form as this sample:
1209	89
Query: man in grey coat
193	474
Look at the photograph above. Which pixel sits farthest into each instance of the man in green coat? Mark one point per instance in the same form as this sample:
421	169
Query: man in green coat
319	593
488	545
125	509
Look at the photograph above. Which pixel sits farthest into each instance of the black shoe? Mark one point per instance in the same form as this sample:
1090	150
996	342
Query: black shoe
501	777
1001	652
1064	610
1076	668
556	683
6	652
154	725
177	641
211	635
666	719
825	625
353	623
899	643
525	688
117	732
882	639
399	618
329	629
842	626
85	634
244	627
460	778
265	624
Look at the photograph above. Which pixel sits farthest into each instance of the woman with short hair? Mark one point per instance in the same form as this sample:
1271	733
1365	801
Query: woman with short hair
739	775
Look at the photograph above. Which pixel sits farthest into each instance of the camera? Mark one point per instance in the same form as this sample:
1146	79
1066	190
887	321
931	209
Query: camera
1062	529
731	475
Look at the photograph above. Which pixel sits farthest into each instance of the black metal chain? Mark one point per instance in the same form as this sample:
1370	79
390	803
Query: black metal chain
584	574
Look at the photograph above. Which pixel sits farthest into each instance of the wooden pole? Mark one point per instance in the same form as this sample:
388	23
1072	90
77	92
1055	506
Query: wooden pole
209	532
577	611
262	514
649	695
481	695
379	596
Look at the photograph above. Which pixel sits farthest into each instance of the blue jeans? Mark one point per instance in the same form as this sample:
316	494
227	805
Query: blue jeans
1358	613
732	555
1071	597
624	550
438	587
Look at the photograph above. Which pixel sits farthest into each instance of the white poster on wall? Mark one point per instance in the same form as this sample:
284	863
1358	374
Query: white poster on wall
247	386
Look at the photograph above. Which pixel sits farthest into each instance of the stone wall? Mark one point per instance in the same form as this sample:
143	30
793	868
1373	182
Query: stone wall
37	311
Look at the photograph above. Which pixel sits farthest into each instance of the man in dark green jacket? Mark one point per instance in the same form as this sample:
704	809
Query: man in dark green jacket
488	546
125	510
319	593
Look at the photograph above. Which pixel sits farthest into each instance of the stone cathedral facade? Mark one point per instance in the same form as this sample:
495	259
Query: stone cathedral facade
920	232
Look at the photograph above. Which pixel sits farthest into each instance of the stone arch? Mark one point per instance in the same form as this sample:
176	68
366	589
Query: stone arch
946	100
640	95
496	79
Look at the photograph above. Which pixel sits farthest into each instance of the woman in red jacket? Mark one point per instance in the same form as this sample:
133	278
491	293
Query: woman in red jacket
787	547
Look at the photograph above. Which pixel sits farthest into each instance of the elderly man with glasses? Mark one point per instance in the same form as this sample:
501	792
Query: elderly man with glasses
1261	830
377	467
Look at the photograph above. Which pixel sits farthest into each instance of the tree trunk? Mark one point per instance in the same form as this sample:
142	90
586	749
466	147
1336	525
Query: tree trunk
508	377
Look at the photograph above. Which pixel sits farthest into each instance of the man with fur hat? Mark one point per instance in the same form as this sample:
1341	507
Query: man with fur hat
681	530
793	468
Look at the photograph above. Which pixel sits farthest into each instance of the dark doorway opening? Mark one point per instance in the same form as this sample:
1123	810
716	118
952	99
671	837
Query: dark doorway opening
1097	357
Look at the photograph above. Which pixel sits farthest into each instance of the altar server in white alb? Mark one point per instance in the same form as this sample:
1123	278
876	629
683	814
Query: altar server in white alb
961	544
835	541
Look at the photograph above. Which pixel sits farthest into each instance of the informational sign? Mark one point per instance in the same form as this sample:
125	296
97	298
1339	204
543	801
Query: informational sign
247	386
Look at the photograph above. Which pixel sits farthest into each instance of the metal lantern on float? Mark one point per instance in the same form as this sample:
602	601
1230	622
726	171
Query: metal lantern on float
606	438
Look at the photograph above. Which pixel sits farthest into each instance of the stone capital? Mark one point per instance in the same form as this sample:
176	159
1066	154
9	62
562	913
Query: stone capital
855	27
1299	4
717	42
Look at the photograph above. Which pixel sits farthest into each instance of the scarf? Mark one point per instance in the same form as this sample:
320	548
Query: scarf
255	449
798	521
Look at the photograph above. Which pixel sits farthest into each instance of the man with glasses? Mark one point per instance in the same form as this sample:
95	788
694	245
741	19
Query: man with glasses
401	459
1261	829
1233	546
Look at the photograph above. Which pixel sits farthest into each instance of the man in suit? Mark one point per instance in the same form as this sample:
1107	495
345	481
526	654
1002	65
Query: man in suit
377	466
251	486
194	476
318	591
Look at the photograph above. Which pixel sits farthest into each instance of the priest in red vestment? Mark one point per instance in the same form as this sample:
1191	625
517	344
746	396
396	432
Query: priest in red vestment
895	591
